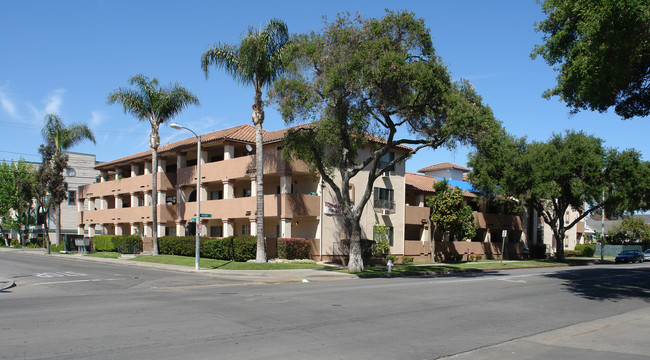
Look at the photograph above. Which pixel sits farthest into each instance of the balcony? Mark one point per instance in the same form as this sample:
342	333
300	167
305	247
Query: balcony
381	205
141	214
414	215
140	183
283	206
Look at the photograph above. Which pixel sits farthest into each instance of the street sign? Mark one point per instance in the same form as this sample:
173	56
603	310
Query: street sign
193	220
205	215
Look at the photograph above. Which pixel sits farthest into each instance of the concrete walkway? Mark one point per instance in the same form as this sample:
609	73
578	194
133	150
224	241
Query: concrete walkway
250	276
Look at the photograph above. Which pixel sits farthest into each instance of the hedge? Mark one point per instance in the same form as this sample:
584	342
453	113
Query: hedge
127	244
292	248
586	250
104	242
237	248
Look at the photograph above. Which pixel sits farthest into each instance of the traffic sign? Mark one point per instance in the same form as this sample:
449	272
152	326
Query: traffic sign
205	215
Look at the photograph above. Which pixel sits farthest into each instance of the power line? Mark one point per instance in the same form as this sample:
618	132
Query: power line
18	153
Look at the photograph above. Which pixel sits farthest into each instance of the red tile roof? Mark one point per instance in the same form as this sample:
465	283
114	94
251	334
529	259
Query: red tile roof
424	183
443	166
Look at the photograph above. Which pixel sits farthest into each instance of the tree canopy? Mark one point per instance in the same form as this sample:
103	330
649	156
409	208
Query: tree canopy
364	87
569	171
601	52
16	194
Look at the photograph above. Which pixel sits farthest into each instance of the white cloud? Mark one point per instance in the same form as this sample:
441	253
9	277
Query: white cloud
96	119
7	105
54	100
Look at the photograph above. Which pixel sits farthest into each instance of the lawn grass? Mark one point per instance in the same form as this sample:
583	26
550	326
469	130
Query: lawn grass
104	254
223	264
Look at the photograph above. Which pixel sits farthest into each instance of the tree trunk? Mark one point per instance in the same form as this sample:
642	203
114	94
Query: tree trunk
432	241
355	261
259	194
154	197
57	230
559	243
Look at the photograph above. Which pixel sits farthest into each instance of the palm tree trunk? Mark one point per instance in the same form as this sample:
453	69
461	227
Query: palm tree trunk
259	193
154	198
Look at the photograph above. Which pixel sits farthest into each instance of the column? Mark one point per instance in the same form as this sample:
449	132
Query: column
118	173
180	195
228	152
181	160
253	185
134	200
419	199
134	170
103	177
162	165
103	203
91	231
80	229
253	227
161	229
147	168
134	229
228	229
285	227
118	229
228	190
203	192
203	227
147	198
118	202
285	184
180	228
162	199
148	230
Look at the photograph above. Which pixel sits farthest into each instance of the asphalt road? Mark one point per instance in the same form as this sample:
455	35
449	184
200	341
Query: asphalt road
75	310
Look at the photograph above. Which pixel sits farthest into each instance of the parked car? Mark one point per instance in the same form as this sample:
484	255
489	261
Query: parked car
646	255
629	256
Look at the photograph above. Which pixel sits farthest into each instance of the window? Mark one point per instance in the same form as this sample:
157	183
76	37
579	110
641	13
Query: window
72	197
384	198
246	193
216	195
246	229
171	200
378	233
385	160
216	231
170	231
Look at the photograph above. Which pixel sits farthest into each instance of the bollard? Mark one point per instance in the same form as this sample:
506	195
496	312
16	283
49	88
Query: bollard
389	265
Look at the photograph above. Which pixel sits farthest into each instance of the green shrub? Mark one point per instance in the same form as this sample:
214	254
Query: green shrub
245	247
407	260
391	257
177	245
292	248
56	248
587	250
127	244
220	249
538	251
104	242
572	253
32	245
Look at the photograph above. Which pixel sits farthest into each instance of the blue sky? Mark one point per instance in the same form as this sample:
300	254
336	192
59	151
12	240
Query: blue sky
66	56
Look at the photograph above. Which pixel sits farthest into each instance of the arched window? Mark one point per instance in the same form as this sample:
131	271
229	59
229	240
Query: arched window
192	196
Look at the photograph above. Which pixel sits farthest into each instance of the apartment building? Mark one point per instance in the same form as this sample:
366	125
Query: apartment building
296	202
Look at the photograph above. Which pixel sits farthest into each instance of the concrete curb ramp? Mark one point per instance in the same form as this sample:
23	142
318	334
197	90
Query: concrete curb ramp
6	284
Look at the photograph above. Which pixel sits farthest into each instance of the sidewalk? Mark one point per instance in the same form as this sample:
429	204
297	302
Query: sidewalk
250	276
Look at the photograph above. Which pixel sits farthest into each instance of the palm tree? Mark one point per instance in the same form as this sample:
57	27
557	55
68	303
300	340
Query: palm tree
63	138
257	60
156	104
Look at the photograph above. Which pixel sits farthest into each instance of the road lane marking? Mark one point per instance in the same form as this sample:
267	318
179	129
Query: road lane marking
59	274
74	281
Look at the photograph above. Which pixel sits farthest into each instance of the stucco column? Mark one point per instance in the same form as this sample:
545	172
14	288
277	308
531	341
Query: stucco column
134	170
103	176
180	228
161	229
103	203
285	227
147	167
147	198
118	202
253	227
228	229
180	196
118	229
285	184
204	192
134	200
91	230
80	205
253	185
203	228
161	198
228	189
118	173
134	228
80	229
148	230
162	165
181	160
419	199
228	152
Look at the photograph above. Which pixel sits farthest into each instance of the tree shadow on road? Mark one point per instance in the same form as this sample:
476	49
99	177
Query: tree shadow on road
612	283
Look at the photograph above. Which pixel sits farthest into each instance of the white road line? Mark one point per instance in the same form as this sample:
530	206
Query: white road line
74	281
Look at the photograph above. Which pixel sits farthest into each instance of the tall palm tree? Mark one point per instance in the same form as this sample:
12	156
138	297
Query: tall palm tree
155	104
257	60
63	138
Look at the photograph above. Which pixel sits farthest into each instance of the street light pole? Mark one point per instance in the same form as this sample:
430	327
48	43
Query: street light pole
198	193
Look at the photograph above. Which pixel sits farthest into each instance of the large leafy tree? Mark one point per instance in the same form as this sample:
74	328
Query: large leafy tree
62	137
630	229
601	52
50	187
450	214
16	194
569	171
257	60
153	103
369	87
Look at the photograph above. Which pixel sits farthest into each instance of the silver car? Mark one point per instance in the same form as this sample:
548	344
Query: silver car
646	255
